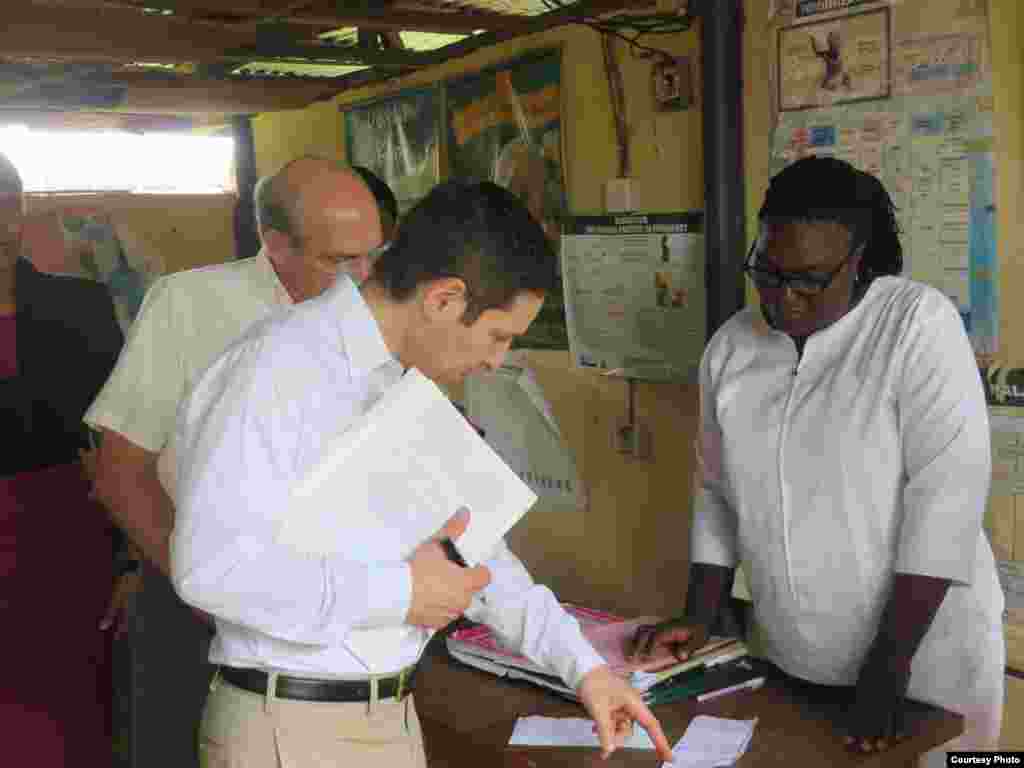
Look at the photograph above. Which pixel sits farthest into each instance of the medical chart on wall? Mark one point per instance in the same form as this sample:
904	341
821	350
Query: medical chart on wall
929	140
634	293
1007	424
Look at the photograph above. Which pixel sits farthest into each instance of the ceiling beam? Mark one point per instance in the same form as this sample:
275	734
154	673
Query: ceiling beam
193	95
160	94
111	35
242	13
385	58
589	9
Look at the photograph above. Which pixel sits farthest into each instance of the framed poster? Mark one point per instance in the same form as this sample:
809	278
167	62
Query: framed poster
504	124
836	61
398	138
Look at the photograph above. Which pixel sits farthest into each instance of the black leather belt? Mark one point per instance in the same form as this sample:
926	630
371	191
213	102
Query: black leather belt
306	689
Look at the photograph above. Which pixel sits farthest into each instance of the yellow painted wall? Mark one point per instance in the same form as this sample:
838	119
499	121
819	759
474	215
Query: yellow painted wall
628	550
282	136
180	231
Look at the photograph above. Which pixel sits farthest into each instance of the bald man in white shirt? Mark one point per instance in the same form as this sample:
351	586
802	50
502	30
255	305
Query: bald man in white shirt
315	218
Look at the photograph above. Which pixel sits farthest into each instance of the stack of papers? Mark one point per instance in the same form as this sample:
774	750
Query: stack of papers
610	636
710	742
568	732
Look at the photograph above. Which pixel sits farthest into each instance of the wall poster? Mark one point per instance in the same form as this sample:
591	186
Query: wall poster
835	61
505	125
929	141
398	138
635	296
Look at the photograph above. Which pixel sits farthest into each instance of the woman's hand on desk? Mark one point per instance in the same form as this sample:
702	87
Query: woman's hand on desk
680	637
876	714
615	705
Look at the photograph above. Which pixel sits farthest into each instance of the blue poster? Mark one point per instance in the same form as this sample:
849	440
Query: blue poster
984	273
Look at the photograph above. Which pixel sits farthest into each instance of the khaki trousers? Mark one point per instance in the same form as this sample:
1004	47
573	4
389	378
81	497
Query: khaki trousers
248	730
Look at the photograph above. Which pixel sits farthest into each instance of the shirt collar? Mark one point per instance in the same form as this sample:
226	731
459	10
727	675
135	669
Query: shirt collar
278	294
358	327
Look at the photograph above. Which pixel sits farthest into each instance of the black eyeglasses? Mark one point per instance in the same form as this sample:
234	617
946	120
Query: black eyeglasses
803	283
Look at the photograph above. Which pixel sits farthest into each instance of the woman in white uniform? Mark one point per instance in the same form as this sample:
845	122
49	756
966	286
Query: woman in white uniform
844	458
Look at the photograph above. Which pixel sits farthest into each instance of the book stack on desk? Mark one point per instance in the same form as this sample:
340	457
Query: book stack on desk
478	647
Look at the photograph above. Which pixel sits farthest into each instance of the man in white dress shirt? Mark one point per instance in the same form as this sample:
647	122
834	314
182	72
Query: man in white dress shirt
466	275
844	458
314	217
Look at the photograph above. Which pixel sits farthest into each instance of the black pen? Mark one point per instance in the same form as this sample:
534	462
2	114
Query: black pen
453	554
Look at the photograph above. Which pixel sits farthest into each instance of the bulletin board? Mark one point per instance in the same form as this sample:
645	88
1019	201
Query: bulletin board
926	133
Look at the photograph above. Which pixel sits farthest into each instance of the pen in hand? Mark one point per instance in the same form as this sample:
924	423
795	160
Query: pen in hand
452	553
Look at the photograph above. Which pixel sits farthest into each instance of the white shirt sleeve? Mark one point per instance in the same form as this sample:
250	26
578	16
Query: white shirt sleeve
238	442
946	445
141	396
527	616
713	534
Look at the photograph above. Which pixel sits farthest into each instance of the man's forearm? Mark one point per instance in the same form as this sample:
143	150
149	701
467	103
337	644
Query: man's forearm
128	485
145	513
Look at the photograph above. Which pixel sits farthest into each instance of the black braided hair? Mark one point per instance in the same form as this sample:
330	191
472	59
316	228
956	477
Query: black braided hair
827	189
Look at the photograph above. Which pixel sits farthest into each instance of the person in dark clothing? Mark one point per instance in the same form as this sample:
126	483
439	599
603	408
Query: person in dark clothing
59	339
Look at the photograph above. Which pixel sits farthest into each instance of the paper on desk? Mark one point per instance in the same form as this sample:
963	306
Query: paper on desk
712	741
567	732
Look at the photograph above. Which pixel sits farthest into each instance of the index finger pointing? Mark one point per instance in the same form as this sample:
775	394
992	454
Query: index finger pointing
650	723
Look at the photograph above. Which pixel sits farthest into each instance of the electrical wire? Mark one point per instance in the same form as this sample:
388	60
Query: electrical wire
640	26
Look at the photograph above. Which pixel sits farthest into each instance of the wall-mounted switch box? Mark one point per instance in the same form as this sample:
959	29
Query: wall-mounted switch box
632	439
673	84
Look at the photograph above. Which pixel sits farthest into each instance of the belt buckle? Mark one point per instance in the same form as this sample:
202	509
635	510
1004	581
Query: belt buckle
401	691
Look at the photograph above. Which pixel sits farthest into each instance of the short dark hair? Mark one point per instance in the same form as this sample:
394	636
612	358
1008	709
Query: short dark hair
480	233
382	193
827	189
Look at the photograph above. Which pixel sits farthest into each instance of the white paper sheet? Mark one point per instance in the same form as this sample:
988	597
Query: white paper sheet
712	741
567	732
394	479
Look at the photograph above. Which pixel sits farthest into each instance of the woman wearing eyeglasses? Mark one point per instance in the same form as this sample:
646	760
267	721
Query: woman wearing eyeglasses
844	458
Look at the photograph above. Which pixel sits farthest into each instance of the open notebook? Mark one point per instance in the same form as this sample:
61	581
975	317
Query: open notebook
391	481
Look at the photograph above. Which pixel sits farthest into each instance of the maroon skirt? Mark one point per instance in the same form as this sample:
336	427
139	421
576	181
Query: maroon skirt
55	581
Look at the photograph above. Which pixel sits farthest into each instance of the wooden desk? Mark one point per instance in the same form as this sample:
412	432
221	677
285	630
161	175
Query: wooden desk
468	716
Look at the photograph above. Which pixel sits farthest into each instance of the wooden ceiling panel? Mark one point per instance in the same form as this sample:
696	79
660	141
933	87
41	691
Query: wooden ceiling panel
111	35
201	43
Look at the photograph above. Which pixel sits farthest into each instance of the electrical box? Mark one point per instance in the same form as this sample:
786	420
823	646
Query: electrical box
673	83
619	196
